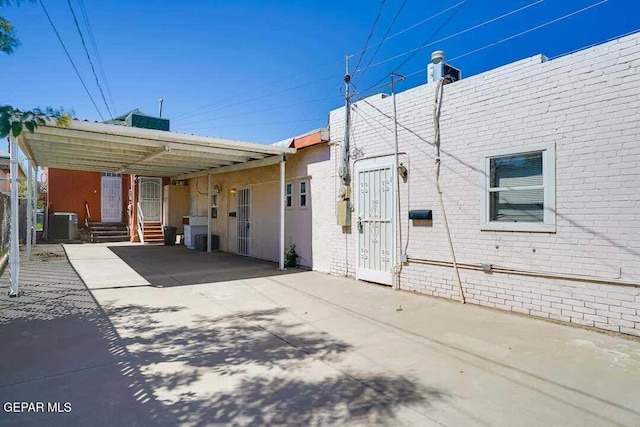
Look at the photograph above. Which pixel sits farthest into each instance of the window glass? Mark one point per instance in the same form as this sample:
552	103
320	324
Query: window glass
303	194
289	193
516	191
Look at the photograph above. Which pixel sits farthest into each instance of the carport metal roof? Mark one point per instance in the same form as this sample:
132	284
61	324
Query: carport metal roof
113	148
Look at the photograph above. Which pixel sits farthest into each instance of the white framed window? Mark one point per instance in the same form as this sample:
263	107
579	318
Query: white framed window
304	193
289	194
518	189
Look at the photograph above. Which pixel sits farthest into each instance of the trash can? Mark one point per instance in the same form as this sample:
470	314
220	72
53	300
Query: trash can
169	235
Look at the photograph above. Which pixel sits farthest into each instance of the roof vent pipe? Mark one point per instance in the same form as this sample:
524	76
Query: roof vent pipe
435	69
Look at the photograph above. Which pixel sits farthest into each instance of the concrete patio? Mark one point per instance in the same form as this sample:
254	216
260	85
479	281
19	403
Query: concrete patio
166	336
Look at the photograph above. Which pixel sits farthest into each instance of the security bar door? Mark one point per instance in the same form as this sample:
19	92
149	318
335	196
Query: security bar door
151	198
242	220
375	214
111	203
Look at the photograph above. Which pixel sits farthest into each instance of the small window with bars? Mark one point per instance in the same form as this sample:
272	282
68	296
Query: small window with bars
518	192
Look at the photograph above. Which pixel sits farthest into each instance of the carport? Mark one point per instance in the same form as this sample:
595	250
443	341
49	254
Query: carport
99	147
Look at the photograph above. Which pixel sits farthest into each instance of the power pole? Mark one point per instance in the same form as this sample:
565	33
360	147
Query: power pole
344	173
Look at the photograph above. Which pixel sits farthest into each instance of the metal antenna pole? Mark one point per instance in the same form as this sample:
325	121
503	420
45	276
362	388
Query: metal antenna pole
160	101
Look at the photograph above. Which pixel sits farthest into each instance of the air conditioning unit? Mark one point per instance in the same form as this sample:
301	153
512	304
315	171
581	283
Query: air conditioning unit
63	226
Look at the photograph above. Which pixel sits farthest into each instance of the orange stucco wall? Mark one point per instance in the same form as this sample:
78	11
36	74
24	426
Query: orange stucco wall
67	191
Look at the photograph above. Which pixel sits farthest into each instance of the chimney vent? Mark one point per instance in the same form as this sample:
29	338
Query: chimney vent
438	69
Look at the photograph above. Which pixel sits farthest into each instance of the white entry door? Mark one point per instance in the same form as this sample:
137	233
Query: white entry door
243	213
111	204
151	198
375	215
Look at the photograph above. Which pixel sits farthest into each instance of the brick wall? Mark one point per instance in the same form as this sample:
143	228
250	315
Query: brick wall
588	105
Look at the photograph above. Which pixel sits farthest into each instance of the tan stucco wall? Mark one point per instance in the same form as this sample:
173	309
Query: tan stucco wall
264	217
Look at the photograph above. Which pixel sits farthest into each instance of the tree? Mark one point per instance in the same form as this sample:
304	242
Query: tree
8	39
14	121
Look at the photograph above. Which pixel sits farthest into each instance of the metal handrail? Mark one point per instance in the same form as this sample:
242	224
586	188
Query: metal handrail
87	219
140	223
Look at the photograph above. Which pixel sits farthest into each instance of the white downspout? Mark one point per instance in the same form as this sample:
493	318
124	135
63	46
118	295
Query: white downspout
282	204
208	204
28	232
14	254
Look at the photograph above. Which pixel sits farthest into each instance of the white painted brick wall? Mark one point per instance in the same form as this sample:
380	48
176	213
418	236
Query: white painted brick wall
588	104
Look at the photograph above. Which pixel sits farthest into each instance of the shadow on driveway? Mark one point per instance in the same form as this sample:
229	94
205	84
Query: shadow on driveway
60	345
167	266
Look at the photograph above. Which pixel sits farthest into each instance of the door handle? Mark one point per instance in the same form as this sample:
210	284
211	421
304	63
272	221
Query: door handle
360	226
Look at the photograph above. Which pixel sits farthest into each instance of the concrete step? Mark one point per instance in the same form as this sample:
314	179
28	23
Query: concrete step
110	232
105	239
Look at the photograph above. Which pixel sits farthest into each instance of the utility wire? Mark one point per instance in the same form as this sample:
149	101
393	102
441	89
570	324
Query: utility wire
459	33
456	34
263	96
260	111
94	45
71	59
537	27
411	27
188	113
261	124
93	70
373	28
384	37
521	33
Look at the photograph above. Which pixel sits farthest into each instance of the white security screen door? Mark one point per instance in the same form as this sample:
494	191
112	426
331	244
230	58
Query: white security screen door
151	198
243	214
111	204
375	213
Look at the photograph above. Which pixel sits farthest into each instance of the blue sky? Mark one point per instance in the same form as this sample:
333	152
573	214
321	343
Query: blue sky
262	71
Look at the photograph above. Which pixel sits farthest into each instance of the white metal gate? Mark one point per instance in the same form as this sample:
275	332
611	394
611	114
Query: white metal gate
375	212
111	203
151	198
243	223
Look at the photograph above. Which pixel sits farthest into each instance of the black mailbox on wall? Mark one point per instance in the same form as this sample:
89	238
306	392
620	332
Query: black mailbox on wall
421	214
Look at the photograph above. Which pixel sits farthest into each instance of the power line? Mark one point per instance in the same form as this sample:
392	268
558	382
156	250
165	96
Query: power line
263	96
466	30
637	30
259	111
260	124
373	28
286	77
71	59
537	27
384	37
94	45
456	34
511	37
411	27
93	70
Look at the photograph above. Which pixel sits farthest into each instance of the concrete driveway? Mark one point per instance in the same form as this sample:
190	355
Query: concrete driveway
191	338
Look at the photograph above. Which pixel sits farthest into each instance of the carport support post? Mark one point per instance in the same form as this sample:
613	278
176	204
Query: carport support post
35	205
14	254
209	212
282	204
28	233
